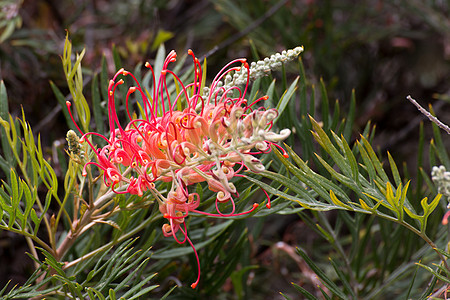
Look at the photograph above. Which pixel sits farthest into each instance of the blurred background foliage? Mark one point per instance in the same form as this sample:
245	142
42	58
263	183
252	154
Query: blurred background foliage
384	49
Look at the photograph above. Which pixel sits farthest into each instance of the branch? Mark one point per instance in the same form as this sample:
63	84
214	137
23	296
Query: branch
429	115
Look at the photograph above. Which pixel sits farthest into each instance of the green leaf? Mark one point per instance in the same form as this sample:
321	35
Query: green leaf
270	92
7	31
4	108
351	159
104	79
303	86
161	37
285	297
309	202
211	233
4	288
255	90
304	292
137	290
374	159
48	199
96	105
435	273
395	173
14	199
237	278
1	211
29	202
285	98
93	292
324	104
324	141
168	293
324	278
35	220
335	119
336	201
440	147
62	101
350	117
77	64
343	278
112	294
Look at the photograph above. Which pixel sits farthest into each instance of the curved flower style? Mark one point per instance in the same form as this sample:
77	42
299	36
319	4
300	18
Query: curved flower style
212	139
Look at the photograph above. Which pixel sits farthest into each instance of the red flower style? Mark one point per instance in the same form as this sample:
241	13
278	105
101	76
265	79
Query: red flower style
212	139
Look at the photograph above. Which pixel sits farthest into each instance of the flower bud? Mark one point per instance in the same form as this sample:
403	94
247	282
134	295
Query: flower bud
74	142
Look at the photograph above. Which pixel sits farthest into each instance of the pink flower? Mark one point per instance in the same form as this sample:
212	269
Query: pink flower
212	139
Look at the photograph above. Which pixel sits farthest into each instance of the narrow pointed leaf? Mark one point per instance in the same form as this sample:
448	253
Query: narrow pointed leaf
286	98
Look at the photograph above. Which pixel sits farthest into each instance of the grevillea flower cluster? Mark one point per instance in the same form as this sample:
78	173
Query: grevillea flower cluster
213	138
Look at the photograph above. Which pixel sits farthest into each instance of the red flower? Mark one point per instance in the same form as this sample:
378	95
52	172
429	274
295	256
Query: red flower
210	140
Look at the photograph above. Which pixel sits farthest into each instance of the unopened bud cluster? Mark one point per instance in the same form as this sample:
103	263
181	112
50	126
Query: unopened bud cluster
74	143
257	69
441	177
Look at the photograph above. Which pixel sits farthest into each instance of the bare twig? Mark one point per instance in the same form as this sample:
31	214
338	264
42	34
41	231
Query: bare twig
429	115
